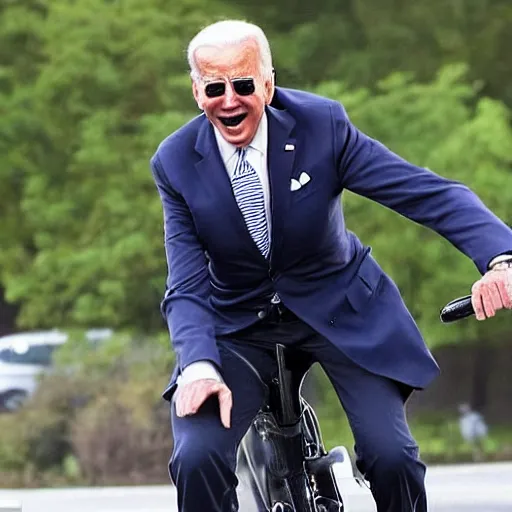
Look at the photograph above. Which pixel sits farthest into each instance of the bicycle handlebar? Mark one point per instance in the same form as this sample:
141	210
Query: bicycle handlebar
457	309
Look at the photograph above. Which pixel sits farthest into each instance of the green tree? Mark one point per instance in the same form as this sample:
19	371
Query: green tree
363	41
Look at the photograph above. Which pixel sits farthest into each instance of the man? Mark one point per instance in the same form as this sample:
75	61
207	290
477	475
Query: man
473	430
258	253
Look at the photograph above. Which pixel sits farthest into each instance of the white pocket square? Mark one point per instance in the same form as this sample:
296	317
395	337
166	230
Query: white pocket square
294	185
303	179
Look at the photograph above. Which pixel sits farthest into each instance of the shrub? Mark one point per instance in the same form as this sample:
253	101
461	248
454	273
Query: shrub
97	418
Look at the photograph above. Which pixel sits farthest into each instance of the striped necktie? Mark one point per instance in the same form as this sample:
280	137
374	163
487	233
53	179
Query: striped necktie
248	193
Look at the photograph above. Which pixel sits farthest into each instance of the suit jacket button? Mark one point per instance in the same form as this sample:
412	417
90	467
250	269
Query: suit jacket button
262	314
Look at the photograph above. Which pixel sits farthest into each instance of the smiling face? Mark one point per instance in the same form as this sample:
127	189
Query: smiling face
236	116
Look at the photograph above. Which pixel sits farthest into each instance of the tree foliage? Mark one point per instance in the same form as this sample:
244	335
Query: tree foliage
362	41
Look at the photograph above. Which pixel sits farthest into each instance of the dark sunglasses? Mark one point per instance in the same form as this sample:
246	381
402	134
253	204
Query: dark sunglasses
242	86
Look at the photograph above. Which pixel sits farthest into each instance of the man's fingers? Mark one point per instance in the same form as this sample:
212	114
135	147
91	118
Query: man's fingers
180	402
494	292
183	401
182	398
193	399
191	396
476	301
225	405
487	301
506	297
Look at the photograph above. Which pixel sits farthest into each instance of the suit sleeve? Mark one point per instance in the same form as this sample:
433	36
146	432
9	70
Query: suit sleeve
368	168
185	305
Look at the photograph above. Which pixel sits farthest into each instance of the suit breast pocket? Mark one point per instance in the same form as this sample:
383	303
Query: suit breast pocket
303	192
318	182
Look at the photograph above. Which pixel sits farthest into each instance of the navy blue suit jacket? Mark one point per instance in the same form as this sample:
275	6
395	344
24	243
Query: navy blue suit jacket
218	281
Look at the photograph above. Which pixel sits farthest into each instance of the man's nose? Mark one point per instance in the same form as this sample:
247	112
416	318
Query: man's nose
230	96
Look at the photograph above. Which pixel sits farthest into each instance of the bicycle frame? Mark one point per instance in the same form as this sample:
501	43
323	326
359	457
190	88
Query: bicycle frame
282	459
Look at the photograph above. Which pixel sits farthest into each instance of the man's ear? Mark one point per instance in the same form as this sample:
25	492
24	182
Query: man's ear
269	90
197	95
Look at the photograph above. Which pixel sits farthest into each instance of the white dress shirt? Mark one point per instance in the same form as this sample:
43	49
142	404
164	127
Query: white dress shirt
257	157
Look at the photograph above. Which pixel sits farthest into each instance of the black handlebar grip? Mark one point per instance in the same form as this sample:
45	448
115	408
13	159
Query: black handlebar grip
457	309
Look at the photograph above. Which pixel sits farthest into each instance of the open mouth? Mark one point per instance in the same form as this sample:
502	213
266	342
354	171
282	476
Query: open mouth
233	121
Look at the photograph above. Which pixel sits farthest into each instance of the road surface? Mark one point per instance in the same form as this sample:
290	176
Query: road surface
468	488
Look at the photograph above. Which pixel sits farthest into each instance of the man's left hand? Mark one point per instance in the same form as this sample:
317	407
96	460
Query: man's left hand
492	292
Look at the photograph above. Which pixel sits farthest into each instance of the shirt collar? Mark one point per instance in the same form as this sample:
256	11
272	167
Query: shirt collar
259	142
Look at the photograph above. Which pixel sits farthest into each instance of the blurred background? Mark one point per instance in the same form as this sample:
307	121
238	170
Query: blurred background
88	88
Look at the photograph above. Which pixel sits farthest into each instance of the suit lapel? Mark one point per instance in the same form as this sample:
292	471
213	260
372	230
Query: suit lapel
280	159
281	156
216	181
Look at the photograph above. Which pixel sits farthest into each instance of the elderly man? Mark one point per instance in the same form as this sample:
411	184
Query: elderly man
258	253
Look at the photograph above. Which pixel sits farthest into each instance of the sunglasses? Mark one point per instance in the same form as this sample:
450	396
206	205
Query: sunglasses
242	86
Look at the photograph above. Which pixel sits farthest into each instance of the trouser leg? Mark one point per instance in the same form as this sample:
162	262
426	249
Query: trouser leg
388	455
203	462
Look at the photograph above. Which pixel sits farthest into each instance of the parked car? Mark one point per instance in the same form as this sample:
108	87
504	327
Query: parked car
24	357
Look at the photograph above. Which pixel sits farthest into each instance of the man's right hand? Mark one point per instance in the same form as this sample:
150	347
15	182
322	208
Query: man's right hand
190	397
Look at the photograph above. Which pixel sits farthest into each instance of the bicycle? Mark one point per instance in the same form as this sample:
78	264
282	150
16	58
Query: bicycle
282	459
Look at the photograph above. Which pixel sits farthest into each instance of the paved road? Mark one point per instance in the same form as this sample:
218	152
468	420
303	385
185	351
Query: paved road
471	488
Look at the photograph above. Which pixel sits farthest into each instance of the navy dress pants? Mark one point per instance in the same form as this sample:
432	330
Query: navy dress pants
204	455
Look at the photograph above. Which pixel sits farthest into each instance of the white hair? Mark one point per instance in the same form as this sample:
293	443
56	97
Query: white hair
228	32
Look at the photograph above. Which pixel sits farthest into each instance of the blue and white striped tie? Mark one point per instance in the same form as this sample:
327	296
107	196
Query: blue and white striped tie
248	193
